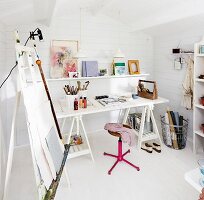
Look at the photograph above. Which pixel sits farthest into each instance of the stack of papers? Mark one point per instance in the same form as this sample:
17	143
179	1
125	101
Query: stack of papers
111	101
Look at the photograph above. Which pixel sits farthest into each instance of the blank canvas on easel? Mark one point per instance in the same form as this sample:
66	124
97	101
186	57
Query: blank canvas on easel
42	126
30	103
51	143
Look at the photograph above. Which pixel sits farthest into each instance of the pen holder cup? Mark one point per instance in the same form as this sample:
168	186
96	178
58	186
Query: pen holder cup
70	101
83	93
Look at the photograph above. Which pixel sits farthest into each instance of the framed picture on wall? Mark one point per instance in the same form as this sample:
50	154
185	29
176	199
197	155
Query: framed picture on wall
133	66
63	63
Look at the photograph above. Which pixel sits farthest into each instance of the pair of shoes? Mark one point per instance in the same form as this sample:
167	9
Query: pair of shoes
149	148
156	147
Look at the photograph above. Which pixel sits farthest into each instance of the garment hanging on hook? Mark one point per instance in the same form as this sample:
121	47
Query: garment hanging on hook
187	100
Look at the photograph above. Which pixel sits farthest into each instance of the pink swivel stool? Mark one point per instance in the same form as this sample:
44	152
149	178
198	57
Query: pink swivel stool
120	156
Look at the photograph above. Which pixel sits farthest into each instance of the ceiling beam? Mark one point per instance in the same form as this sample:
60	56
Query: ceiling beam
44	11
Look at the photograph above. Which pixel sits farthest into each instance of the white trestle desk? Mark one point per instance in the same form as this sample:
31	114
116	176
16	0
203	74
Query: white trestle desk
96	107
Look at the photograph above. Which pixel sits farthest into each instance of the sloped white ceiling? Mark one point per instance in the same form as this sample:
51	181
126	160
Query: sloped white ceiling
24	11
141	14
15	10
8	7
138	14
189	25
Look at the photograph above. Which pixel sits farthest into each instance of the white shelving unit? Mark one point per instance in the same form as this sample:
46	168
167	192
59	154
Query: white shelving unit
198	115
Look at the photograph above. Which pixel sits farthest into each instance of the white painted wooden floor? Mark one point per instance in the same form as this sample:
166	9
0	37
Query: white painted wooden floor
161	176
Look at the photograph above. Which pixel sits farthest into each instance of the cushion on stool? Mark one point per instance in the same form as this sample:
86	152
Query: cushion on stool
115	128
122	131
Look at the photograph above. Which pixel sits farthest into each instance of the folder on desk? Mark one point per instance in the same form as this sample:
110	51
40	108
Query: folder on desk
89	68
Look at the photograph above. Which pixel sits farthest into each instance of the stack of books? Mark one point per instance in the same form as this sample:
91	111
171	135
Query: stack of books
134	120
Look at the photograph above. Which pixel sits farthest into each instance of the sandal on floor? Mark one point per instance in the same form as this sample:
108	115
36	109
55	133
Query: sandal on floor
147	147
157	147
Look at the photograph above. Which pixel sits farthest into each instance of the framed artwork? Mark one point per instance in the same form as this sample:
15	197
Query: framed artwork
62	58
133	66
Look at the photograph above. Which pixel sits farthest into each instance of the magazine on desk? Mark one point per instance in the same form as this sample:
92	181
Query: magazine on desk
112	101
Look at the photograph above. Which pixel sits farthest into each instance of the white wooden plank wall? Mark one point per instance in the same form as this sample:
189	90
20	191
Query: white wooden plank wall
100	41
170	80
2	105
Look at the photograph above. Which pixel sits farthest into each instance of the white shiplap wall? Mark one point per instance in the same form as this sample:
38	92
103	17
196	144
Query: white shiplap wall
2	105
100	41
170	80
2	71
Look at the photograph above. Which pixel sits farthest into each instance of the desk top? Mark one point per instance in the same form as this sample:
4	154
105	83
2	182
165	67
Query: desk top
96	107
193	177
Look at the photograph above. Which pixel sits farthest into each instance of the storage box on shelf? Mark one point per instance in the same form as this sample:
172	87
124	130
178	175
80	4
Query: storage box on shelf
198	115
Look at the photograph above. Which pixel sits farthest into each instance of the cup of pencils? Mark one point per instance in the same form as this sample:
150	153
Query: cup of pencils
83	89
71	94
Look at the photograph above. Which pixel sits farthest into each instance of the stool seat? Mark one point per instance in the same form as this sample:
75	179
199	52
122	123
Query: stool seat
116	134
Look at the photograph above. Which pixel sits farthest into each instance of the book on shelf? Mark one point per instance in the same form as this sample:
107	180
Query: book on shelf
90	69
134	121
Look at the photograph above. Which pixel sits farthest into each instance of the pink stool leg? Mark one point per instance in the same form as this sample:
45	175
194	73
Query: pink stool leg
126	152
109	172
108	154
120	157
137	168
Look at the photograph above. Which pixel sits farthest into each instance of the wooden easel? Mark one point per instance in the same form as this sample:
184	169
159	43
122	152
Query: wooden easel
28	54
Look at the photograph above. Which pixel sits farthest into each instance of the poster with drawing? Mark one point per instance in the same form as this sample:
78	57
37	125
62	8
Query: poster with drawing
63	63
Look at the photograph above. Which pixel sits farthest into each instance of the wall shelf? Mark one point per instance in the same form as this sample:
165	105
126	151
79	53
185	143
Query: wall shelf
199	106
199	132
199	80
94	78
183	53
199	55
